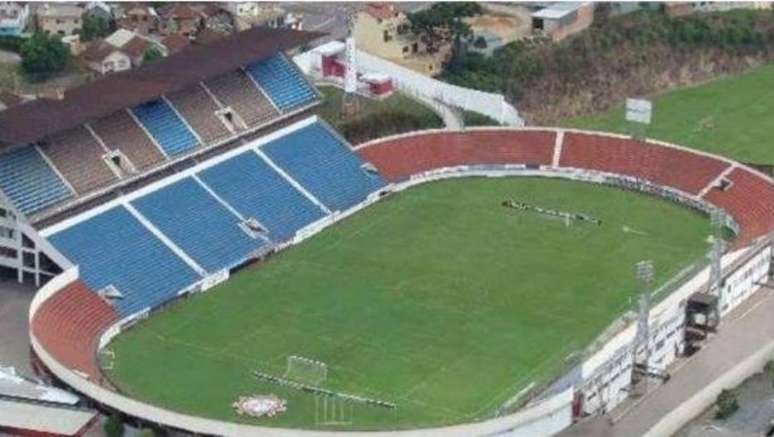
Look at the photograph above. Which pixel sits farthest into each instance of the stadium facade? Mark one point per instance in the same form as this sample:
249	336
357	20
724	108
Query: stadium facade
143	187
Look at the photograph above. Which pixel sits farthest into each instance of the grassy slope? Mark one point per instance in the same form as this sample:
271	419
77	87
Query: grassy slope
370	110
731	117
438	299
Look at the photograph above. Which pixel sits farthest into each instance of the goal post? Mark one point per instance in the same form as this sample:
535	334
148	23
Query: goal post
306	371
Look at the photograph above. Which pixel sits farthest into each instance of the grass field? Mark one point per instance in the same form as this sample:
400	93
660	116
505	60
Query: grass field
438	299
731	117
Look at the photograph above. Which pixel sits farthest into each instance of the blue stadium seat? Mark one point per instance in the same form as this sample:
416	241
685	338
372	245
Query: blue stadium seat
254	189
166	127
284	84
324	165
28	180
114	248
197	223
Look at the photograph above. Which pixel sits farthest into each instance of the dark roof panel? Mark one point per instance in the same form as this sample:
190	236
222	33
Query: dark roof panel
37	119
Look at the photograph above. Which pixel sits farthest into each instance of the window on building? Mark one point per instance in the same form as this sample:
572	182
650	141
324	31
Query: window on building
387	36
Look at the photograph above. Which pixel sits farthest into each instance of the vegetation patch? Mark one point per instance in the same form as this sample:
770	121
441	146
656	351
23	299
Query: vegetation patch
375	118
633	54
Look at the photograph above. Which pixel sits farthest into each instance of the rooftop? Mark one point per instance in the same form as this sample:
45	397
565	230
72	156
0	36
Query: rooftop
383	11
59	10
43	418
35	120
558	10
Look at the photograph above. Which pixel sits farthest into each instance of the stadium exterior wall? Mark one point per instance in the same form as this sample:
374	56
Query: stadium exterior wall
604	364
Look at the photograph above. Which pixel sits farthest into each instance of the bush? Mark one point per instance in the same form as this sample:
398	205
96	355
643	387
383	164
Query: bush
769	370
11	43
386	123
471	118
95	27
114	426
43	55
727	404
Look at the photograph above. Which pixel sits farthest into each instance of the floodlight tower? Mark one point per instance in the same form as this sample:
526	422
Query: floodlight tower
644	271
350	104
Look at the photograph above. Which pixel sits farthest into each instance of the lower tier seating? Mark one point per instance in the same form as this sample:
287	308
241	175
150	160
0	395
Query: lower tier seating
197	223
323	164
79	158
198	108
114	248
169	130
687	171
120	131
400	158
254	189
69	324
29	181
283	83
237	91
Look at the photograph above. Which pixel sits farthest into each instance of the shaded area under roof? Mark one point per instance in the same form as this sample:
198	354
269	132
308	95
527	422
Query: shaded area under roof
35	120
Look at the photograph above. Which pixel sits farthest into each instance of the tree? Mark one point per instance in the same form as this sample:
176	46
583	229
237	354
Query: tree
443	22
152	54
727	404
94	26
114	426
43	55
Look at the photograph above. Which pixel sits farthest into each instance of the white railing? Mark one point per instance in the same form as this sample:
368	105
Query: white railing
428	89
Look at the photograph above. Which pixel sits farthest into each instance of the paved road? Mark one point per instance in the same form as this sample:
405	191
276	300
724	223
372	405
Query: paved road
7	57
14	338
742	334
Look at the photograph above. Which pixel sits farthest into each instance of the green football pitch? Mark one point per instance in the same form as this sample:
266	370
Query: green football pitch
731	117
438	299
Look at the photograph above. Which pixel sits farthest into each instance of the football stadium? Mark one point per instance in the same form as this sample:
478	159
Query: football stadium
213	258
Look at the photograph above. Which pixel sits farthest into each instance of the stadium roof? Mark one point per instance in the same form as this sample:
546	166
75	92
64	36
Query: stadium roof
37	119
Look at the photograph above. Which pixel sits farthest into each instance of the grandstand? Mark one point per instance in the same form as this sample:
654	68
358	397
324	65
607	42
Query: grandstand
167	189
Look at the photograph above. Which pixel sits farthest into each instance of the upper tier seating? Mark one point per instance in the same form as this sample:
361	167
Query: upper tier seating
254	189
750	200
167	128
28	180
400	158
120	131
69	324
237	91
324	165
78	157
202	227
687	171
283	83
115	248
198	108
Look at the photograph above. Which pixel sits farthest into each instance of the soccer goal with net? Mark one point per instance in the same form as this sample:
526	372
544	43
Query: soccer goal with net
306	371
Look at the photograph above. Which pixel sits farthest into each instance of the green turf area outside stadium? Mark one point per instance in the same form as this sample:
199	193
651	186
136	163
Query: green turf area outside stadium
731	117
438	299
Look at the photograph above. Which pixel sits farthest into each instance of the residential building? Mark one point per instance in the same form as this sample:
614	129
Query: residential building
249	14
60	18
138	17
99	9
384	30
179	19
13	18
120	51
560	20
216	18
